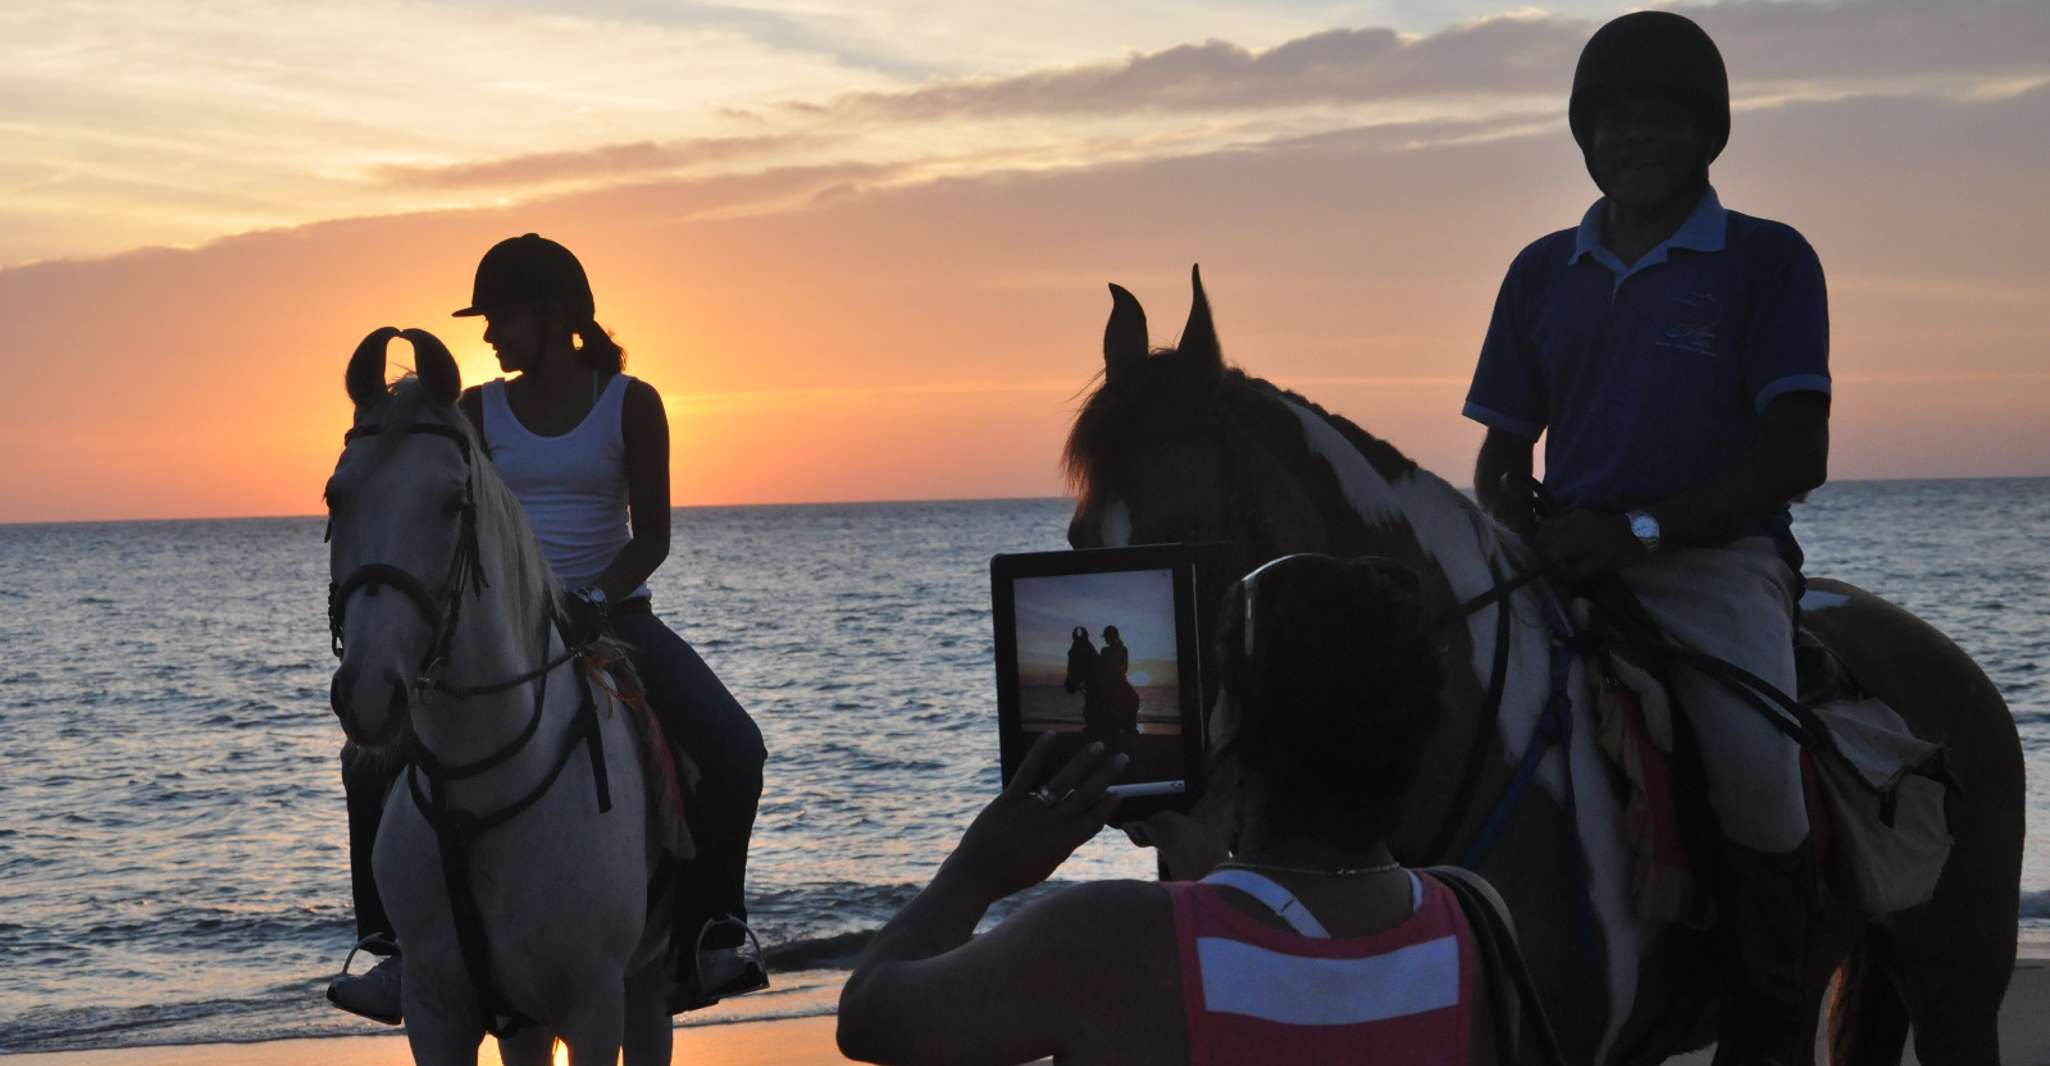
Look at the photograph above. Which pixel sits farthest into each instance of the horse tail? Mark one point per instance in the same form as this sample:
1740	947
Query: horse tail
1868	1023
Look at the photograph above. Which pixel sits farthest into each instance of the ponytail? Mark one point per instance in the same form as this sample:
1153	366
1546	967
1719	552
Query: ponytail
596	348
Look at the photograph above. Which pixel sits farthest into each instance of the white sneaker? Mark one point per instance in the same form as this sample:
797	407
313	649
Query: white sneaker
374	994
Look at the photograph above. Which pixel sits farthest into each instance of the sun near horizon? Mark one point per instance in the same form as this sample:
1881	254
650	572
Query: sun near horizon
862	251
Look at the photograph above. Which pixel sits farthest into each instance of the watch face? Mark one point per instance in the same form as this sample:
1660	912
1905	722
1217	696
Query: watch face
1644	526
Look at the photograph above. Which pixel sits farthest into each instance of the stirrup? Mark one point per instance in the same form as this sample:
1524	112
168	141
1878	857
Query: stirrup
379	944
694	995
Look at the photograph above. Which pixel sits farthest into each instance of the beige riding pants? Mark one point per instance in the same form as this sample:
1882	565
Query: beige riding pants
1736	603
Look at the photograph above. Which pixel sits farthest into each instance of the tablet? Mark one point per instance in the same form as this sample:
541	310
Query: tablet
1105	644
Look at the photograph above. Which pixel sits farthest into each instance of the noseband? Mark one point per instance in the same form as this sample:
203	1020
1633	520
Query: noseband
443	610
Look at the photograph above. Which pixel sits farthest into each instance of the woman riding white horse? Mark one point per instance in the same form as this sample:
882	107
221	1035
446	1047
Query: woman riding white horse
513	854
585	449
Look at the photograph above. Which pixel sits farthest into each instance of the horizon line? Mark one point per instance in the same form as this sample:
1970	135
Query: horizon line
877	502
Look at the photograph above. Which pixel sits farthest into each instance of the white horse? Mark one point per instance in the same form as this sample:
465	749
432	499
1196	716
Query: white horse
444	615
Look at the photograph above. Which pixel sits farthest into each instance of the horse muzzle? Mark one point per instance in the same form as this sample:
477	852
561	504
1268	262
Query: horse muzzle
370	711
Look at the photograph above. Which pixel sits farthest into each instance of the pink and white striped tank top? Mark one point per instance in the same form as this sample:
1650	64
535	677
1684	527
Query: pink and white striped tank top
1256	994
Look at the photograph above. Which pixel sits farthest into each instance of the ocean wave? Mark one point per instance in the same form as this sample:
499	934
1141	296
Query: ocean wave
2036	905
286	1011
216	928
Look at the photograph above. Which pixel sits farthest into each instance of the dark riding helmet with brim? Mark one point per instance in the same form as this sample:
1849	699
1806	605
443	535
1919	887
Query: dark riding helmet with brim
529	271
1652	53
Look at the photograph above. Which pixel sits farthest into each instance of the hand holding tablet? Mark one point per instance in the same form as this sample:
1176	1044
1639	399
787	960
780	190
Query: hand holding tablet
1031	828
1104	647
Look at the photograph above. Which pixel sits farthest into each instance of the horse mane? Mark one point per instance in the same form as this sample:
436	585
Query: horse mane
521	573
1161	398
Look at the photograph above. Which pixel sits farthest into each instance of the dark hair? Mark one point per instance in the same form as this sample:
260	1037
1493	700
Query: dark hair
596	348
1340	689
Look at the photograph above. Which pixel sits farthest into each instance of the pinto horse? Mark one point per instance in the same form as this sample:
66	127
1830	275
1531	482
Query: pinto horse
513	854
1175	446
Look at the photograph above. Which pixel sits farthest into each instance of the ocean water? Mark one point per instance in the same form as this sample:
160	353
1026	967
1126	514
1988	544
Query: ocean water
173	862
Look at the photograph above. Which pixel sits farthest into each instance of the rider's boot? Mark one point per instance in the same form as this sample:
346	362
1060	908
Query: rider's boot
714	960
1771	903
374	994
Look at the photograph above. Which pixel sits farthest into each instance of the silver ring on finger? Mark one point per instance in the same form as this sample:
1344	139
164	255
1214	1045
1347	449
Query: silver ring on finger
1045	796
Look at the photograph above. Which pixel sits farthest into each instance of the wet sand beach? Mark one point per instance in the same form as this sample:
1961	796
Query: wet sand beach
2024	1040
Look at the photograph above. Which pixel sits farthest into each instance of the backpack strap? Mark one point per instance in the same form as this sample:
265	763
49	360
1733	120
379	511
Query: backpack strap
1503	966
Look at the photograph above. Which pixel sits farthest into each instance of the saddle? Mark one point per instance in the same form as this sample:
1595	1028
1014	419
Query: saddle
1875	792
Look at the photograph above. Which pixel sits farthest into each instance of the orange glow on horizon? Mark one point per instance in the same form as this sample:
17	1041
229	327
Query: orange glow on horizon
932	341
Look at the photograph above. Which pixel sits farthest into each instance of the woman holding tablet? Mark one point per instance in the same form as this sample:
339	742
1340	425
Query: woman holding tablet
1289	933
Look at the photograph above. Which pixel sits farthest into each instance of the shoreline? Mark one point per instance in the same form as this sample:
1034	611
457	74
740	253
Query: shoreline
736	1036
734	1042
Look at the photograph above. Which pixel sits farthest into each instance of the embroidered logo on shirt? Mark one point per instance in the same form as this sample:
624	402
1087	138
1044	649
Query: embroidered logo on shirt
1695	332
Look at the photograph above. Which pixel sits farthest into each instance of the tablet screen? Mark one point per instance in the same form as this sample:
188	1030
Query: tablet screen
1105	645
1097	660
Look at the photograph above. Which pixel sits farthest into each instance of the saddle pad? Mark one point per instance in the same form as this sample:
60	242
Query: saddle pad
1886	789
665	771
1883	791
1662	877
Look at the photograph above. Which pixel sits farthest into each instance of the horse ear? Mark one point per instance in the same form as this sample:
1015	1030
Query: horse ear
366	368
1199	351
436	367
1124	337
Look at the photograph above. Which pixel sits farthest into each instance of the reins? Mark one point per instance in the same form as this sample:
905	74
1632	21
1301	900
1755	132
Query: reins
457	831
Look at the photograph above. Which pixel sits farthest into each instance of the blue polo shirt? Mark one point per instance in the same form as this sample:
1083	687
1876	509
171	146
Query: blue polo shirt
1646	380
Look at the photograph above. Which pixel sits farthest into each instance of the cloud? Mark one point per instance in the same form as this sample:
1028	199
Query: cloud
145	123
1859	46
909	338
610	162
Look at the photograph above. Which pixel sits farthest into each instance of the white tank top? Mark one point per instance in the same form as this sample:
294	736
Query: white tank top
573	487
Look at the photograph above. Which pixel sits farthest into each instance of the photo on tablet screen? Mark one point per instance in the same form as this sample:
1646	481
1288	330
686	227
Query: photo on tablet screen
1097	660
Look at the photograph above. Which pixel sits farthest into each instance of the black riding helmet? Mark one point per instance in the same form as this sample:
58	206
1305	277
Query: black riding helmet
527	271
1651	52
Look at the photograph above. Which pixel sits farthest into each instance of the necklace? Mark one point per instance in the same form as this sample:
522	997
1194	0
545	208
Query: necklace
1311	871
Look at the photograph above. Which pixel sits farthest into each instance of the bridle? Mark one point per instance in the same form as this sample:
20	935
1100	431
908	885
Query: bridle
443	609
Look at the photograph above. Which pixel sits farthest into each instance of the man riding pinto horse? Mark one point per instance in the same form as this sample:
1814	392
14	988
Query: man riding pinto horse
1674	356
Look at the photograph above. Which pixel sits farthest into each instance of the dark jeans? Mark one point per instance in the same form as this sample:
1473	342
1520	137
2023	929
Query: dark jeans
699	715
704	719
365	781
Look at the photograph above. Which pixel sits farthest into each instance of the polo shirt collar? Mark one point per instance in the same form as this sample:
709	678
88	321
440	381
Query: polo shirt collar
1703	231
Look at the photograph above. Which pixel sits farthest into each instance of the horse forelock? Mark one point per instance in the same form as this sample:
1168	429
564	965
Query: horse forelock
1116	417
518	569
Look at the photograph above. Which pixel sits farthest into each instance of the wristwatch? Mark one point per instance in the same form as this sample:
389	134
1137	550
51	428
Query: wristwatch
1645	528
596	596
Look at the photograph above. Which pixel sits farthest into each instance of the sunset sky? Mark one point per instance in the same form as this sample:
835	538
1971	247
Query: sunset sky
861	247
